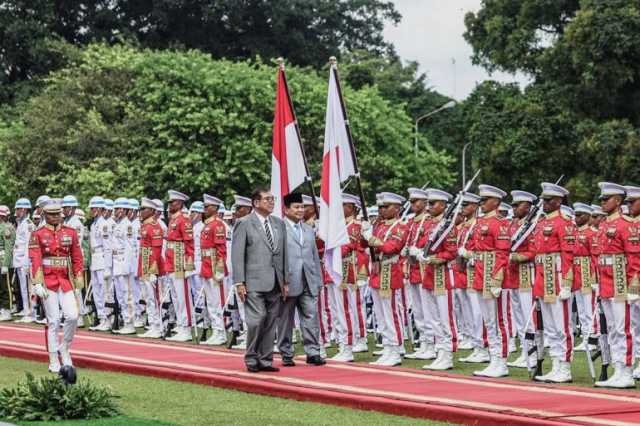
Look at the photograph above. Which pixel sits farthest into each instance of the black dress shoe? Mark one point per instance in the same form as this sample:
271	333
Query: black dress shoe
252	369
315	360
270	369
288	362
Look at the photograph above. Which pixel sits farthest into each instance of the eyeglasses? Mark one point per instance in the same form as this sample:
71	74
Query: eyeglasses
268	199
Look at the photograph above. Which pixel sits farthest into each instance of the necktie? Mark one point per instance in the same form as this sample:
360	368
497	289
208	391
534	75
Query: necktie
268	232
297	229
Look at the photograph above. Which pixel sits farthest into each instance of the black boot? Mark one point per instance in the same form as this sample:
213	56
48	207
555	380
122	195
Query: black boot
604	374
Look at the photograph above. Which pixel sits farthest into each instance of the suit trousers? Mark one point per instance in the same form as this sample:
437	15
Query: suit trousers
261	312
306	306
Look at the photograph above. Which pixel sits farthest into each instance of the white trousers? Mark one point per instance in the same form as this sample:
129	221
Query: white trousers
586	307
52	305
357	305
215	296
443	319
422	319
152	298
324	315
98	290
388	311
183	304
521	305
618	315
136	294
24	290
635	328
492	314
472	316
347	313
556	320
124	293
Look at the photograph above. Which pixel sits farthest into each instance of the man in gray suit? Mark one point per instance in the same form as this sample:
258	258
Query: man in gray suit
305	279
259	258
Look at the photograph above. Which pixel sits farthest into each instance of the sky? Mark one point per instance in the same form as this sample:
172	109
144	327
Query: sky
431	33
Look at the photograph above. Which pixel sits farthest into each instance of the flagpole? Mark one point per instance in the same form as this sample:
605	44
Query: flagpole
280	62
334	69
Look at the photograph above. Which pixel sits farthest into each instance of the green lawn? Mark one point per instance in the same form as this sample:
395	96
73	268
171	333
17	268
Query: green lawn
146	401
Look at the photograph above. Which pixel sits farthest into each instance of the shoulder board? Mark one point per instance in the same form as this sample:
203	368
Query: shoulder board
629	218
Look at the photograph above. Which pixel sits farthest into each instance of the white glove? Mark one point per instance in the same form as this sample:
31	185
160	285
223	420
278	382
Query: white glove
4	270
365	225
361	283
420	256
404	252
415	251
633	298
565	293
40	291
496	291
463	252
367	234
153	278
218	276
595	287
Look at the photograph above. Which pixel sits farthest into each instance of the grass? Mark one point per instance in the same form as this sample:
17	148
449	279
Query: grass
145	401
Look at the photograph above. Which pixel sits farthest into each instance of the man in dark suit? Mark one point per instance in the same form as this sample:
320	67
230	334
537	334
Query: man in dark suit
305	279
259	259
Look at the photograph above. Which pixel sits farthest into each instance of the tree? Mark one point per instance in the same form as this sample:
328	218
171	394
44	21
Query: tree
121	121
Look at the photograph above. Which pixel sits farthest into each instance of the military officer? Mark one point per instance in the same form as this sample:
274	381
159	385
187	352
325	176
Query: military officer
24	228
196	211
56	269
584	266
7	238
98	234
134	241
40	201
122	253
633	201
388	238
69	206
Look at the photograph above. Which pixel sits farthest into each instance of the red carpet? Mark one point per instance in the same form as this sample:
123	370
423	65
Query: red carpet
450	397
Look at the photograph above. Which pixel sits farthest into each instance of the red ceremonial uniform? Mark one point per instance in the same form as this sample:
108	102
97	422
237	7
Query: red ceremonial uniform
463	238
583	260
491	244
619	249
436	274
213	248
389	237
554	243
150	258
56	258
518	275
416	229
354	254
179	251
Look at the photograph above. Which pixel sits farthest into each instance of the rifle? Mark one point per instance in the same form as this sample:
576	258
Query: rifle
529	223
448	221
406	208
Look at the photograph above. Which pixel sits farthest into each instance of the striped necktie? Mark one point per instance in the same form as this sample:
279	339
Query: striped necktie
268	232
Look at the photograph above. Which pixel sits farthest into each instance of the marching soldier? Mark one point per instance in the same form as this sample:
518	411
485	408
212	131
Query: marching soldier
213	246
150	267
519	280
584	273
491	243
7	238
56	268
414	271
438	282
24	228
555	238
387	239
352	334
179	263
619	285
98	234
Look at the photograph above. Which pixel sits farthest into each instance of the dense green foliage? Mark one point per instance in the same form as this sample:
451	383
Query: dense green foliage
49	399
123	121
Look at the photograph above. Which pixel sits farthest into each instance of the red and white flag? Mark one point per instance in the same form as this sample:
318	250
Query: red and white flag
337	166
287	167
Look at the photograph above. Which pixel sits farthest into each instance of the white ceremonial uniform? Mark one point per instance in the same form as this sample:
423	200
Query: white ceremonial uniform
97	235
21	262
122	257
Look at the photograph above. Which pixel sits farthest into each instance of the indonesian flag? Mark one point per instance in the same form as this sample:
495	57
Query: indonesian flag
287	167
337	166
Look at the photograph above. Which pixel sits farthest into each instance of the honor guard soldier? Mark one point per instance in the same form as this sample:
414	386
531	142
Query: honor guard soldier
150	266
121	251
414	275
387	238
491	243
56	268
213	246
619	283
7	238
349	316
179	263
519	280
196	210
243	206
134	238
24	228
40	202
584	273
633	201
554	244
98	232
468	297
438	282
70	219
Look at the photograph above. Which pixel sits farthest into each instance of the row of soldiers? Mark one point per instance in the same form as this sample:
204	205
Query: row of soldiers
473	290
